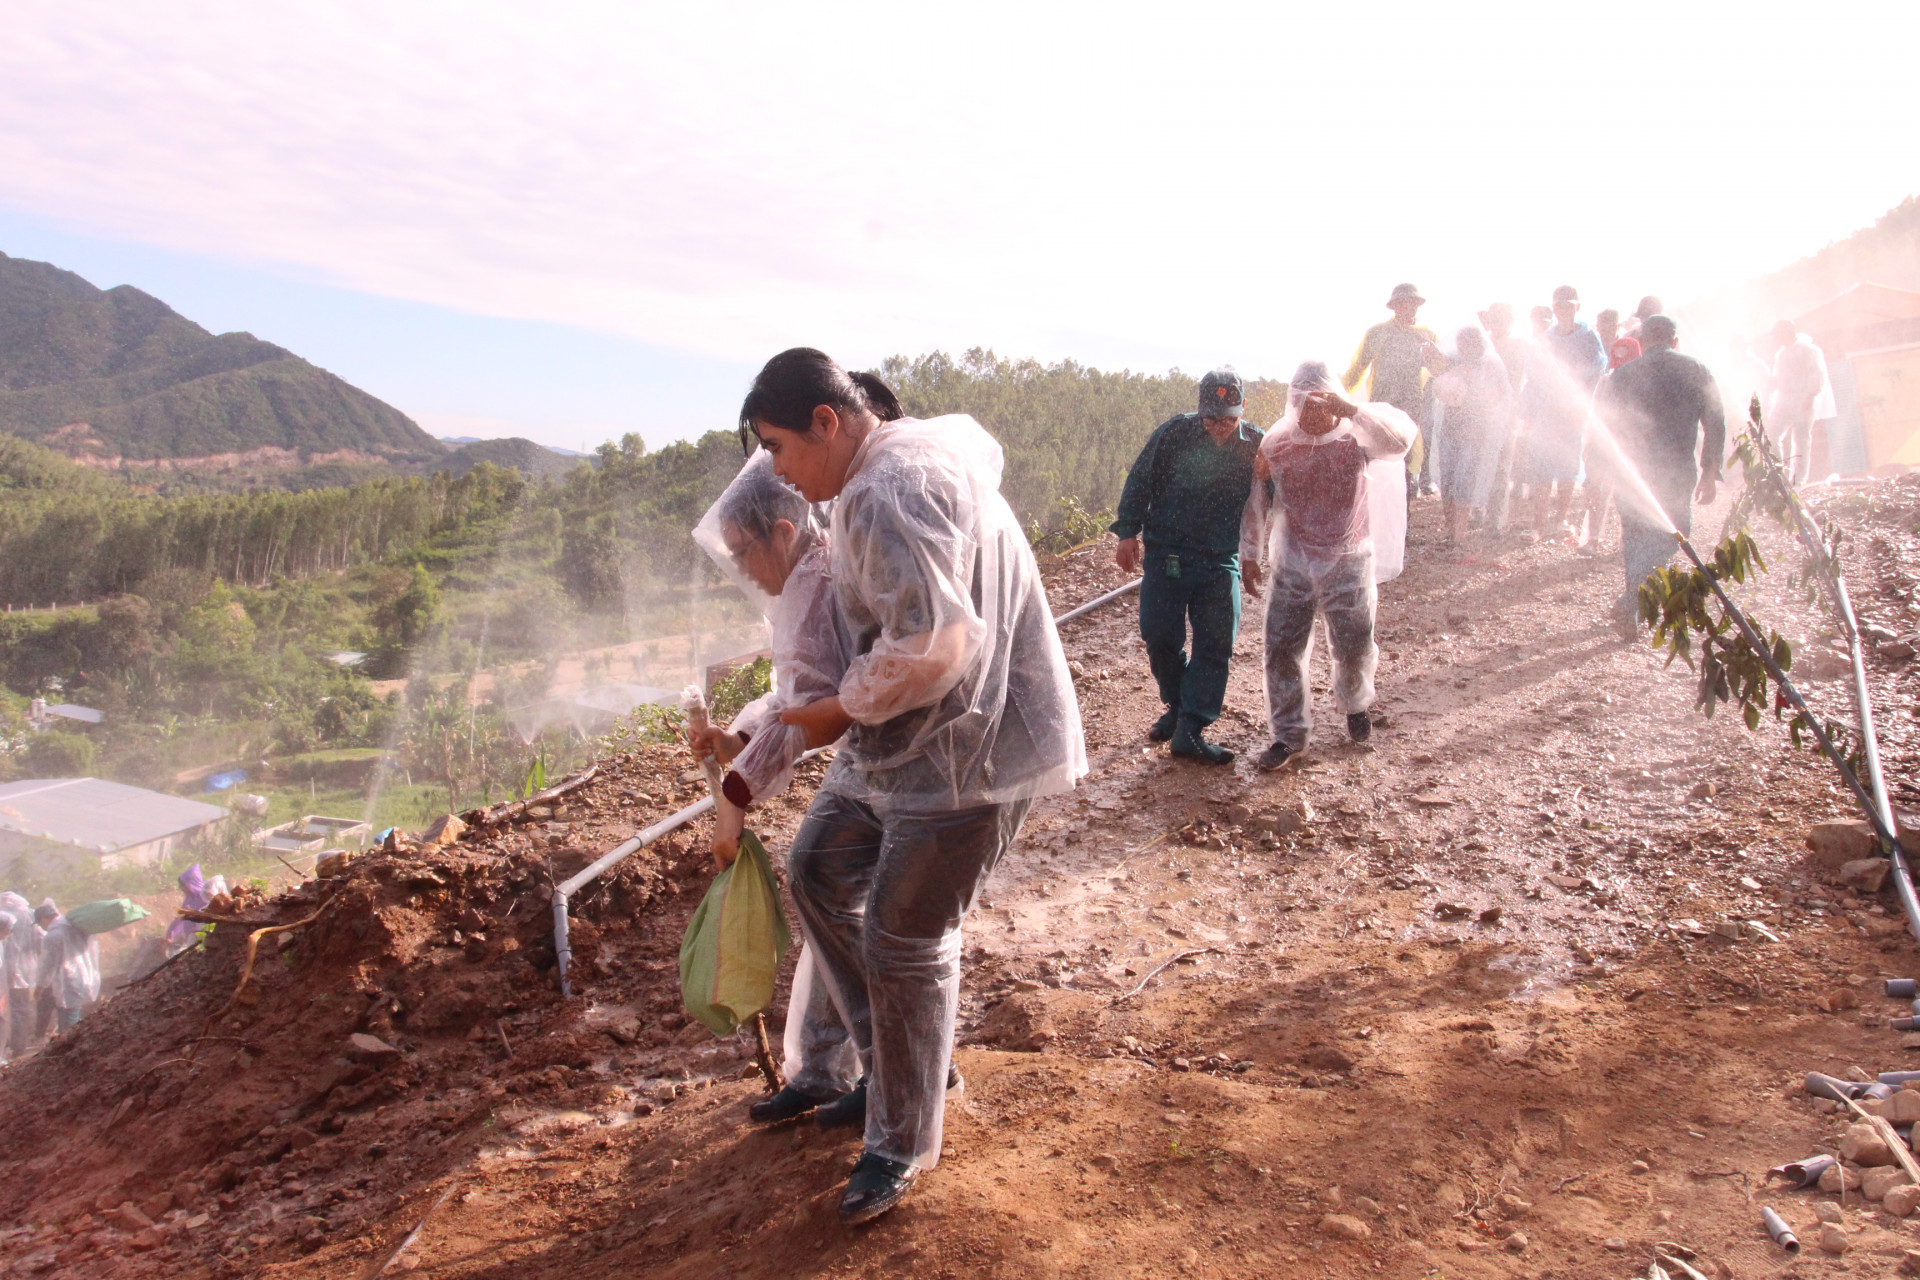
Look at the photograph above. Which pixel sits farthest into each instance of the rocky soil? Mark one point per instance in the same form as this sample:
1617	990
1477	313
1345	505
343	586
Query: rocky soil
1495	994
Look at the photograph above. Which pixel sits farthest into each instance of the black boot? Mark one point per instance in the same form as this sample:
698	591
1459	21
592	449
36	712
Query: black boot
785	1105
1188	743
1359	728
875	1186
1164	727
849	1108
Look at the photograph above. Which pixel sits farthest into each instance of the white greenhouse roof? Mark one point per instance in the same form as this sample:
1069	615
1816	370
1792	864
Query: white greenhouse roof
92	813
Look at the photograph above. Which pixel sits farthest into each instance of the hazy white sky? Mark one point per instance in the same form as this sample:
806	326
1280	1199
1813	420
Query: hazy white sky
1142	185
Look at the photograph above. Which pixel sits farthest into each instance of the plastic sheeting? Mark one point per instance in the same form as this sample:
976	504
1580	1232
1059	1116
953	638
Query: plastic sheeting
819	1054
1473	411
960	693
70	965
882	899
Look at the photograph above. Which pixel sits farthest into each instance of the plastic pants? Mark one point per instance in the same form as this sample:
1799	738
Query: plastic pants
1341	588
67	1018
1209	597
20	1019
1794	438
820	1057
881	900
1645	546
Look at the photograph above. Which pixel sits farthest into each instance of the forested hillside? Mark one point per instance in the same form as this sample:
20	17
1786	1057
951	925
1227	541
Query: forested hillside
1069	430
206	621
117	374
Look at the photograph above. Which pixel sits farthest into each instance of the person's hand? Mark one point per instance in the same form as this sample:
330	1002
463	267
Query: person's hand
718	743
1250	578
1262	468
1704	494
1322	411
824	721
1128	555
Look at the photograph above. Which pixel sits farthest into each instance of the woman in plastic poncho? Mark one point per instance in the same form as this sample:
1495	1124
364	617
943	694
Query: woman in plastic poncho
958	711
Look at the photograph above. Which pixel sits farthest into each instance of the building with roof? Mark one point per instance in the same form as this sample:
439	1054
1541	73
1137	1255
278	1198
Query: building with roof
54	820
1871	334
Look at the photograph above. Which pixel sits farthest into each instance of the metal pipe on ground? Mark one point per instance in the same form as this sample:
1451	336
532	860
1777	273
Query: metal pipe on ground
1879	817
562	895
1091	605
1879	807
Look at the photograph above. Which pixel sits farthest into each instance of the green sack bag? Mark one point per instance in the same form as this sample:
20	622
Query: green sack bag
105	915
734	943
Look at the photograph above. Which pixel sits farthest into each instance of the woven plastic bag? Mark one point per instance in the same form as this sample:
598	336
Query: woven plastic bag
105	915
734	943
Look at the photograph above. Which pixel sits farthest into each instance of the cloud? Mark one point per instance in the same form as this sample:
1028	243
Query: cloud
1122	183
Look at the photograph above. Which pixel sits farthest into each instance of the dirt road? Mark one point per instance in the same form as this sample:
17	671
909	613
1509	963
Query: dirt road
1453	1003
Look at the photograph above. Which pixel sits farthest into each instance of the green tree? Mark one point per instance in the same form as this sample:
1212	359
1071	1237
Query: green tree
417	609
590	563
59	754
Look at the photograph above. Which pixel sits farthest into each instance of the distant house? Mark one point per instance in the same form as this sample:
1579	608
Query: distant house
50	820
1871	334
42	716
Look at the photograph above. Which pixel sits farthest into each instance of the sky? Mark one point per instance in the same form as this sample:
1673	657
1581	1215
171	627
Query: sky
573	220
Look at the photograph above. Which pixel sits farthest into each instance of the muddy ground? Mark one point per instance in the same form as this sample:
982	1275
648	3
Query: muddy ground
1471	1000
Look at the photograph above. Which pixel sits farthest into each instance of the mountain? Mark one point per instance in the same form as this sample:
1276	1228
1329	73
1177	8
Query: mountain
514	451
117	377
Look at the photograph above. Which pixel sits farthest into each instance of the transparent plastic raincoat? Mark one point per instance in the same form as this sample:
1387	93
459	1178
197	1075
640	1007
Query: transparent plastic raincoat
72	962
810	652
21	951
1473	408
1338	517
810	644
963	712
960	694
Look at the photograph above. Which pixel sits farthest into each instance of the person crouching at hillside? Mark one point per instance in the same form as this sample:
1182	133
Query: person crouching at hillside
773	543
1322	549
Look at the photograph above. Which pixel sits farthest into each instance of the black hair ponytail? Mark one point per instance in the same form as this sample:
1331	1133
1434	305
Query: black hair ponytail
879	396
792	384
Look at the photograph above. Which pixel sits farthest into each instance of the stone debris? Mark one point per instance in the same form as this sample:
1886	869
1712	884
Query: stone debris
1834	844
1344	1226
1861	1145
1866	875
1875	1183
1901	1200
1840	1178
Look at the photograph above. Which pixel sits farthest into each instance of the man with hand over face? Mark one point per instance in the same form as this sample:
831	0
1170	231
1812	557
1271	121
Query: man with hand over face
1316	458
